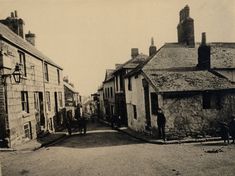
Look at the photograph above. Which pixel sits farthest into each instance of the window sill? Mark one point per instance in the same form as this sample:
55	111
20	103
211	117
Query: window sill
25	114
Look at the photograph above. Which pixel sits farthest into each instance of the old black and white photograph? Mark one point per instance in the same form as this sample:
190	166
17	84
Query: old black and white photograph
117	87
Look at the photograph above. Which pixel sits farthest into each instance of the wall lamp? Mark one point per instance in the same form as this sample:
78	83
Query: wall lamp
16	74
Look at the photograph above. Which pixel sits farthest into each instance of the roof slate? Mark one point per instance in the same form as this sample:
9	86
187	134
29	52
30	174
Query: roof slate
174	55
6	33
168	81
70	87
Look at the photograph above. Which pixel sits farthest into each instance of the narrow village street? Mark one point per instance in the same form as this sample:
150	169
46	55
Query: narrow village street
107	152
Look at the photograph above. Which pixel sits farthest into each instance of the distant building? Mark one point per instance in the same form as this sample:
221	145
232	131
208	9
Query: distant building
191	82
119	83
109	95
72	98
29	108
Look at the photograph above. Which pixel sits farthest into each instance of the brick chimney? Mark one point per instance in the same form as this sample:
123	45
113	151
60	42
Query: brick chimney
134	52
204	54
152	48
185	28
14	23
30	37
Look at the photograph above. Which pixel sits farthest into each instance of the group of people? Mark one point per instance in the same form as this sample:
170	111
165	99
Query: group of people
227	130
81	120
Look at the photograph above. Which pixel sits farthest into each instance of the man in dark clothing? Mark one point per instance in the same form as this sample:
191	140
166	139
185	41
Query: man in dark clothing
161	122
232	128
224	131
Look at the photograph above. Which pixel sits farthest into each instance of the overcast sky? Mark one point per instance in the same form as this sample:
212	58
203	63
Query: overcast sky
86	37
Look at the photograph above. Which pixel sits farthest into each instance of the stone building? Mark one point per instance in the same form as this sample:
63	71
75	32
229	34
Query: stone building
118	74
72	98
28	108
109	95
193	83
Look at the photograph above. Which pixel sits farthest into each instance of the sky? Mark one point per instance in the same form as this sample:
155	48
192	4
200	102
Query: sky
86	37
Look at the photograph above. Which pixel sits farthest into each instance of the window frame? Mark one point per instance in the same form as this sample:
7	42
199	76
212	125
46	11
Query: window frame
22	61
48	100
60	98
129	84
46	73
134	111
25	101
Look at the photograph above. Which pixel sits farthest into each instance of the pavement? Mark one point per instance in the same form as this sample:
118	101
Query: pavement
153	140
38	143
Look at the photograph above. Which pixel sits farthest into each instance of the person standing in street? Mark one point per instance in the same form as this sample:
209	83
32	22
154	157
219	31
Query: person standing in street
224	132
161	122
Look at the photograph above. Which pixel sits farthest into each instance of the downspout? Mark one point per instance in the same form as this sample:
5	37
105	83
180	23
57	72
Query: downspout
44	95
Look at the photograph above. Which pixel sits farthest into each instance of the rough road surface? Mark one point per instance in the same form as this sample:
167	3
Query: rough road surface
105	152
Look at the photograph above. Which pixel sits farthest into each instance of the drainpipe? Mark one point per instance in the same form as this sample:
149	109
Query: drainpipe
44	95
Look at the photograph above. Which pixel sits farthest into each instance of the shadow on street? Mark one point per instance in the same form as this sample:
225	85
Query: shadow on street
98	135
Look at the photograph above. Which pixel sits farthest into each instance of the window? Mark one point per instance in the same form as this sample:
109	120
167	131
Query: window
111	91
134	112
116	79
24	101
129	83
22	62
60	99
211	101
28	130
48	101
58	75
46	75
154	103
108	92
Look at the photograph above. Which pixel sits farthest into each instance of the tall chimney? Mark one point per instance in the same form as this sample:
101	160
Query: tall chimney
204	54
12	15
152	48
134	52
16	14
185	28
30	37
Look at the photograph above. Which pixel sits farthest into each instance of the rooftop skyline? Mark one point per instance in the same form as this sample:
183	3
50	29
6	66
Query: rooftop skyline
86	37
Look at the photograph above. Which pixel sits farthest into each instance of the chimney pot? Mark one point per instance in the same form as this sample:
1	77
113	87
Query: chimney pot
134	52
203	38
12	14
16	14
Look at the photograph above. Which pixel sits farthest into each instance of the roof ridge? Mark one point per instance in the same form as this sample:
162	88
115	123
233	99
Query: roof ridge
28	47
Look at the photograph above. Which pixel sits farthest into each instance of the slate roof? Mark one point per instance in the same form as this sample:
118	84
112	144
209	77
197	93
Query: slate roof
174	55
9	35
109	75
168	81
70	87
173	68
132	63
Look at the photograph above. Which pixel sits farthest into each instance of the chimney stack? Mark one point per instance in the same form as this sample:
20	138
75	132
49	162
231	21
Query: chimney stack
30	37
134	52
185	28
152	48
16	14
12	15
15	24
204	54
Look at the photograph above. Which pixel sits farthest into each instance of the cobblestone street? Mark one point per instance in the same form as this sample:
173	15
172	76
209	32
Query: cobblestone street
107	152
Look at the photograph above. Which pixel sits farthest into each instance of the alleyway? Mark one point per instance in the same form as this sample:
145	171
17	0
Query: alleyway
106	152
